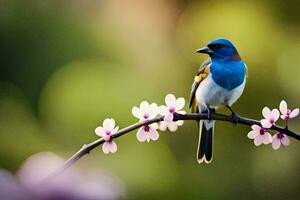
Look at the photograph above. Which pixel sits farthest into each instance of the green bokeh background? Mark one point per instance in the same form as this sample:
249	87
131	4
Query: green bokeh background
67	65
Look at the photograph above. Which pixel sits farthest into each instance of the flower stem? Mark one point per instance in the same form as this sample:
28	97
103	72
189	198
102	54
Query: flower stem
85	149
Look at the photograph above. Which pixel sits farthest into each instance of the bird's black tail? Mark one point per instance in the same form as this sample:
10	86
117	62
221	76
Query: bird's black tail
205	145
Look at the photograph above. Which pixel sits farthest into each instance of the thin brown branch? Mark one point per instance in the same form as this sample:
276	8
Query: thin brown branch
85	149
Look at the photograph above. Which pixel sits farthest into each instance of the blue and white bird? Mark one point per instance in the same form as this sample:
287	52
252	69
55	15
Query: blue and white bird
220	81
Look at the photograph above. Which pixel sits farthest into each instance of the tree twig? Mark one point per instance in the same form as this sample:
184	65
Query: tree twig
85	149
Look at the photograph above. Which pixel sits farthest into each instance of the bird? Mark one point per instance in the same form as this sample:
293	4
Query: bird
220	81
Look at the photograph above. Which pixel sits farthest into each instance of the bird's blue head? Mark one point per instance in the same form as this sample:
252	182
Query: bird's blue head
220	49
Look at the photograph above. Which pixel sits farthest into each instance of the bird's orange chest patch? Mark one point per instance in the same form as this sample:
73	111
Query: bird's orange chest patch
202	75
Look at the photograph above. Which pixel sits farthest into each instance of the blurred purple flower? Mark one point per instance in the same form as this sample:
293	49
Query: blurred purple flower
73	184
10	189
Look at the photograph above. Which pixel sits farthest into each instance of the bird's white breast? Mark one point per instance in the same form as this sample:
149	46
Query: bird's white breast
211	94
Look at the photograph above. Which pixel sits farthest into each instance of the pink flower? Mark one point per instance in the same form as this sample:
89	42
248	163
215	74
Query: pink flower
106	131
260	135
278	139
173	106
270	117
172	126
147	133
145	112
287	113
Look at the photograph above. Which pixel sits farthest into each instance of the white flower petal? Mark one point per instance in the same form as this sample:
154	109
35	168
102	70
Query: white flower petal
253	134
179	104
163	126
100	131
179	122
170	100
141	135
113	147
258	140
153	134
169	118
285	140
163	110
266	112
144	106
154	126
266	123
172	126
108	147
153	111
294	113
283	107
267	138
107	137
109	124
276	142
255	127
136	112
105	147
284	117
115	130
181	112
275	114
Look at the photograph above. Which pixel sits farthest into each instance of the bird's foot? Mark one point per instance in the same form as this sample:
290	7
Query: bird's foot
234	115
235	118
210	112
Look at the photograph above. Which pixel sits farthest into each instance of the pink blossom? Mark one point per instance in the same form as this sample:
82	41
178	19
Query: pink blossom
287	113
172	126
145	112
173	105
147	133
260	135
270	117
106	131
278	139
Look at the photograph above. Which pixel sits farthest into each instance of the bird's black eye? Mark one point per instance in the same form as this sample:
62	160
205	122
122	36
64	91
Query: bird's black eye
215	47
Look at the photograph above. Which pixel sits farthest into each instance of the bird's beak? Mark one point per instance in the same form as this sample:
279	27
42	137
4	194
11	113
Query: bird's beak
206	50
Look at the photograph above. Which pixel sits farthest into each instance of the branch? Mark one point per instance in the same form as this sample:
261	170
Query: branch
220	117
